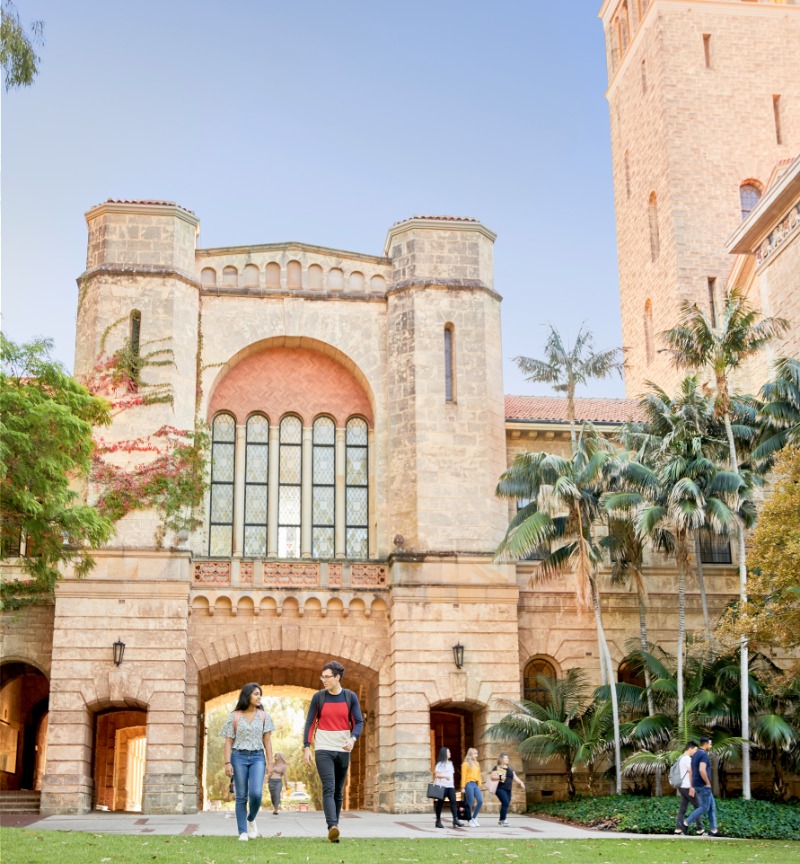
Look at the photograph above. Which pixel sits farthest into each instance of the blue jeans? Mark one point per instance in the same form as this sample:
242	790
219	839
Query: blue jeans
248	776
505	802
332	767
705	806
473	795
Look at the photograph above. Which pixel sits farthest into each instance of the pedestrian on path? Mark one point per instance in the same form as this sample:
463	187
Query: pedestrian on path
334	723
685	790
444	775
505	776
471	786
277	778
247	734
701	781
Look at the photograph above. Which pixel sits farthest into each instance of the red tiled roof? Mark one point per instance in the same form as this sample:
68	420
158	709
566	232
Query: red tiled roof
149	202
554	409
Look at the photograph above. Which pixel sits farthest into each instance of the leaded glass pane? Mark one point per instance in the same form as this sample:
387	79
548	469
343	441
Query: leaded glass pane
322	543
255	505
323	508
357	466
257	430
220	545
291	430
324	471
324	431
357	506
356	433
221	503
290	464
357	546
255	541
289	506
222	466
288	542
257	463
224	428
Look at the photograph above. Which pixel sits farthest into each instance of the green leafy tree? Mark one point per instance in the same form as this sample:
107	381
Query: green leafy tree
46	447
18	55
699	344
564	496
780	411
566	366
566	724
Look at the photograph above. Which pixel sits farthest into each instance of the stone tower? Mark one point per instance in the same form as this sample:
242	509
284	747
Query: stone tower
704	100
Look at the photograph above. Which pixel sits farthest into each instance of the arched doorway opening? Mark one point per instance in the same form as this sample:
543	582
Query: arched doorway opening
290	675
119	758
457	726
24	702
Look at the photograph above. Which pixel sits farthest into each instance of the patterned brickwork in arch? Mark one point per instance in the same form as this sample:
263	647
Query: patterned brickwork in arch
298	380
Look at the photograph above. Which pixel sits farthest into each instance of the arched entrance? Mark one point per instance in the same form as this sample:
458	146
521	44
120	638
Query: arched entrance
298	671
457	726
119	758
24	703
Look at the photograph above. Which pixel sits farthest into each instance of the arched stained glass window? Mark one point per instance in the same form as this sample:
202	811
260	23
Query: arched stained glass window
323	488
534	689
290	466
356	490
256	478
223	446
749	196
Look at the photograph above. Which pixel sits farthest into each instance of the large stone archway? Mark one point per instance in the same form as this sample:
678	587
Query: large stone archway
281	656
24	702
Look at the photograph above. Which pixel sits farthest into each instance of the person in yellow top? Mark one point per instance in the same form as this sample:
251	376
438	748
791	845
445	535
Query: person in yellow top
471	786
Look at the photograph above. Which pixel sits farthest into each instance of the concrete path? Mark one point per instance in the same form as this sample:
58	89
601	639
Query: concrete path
312	824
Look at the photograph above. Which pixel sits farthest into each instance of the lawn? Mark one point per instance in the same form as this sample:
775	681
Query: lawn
21	846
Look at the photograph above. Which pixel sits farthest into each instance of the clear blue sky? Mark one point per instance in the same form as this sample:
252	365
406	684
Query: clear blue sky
324	123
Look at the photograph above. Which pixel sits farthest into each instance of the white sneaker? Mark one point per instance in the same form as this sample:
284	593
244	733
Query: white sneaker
472	823
505	823
243	837
475	823
252	830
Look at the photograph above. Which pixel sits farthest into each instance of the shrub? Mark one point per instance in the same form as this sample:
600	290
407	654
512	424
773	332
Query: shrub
761	820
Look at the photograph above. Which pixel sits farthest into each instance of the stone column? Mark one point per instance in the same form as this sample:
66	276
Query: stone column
305	493
272	492
340	535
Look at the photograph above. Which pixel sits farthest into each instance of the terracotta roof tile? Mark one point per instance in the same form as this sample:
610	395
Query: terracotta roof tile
152	202
553	409
440	219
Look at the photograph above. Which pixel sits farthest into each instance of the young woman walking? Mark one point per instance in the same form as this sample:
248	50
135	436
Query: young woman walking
471	786
444	775
247	735
504	774
277	777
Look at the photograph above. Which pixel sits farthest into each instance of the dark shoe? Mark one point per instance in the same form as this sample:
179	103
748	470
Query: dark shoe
439	823
702	833
333	834
457	824
713	834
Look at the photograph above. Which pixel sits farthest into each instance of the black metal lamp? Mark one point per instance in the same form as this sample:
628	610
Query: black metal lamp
119	652
458	655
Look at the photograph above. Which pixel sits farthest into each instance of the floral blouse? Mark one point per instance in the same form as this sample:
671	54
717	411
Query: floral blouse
248	735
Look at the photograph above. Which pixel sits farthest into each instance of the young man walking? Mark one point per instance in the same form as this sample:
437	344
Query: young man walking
685	790
701	781
334	723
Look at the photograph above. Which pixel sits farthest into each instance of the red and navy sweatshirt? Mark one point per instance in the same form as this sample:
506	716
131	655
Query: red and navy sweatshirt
329	723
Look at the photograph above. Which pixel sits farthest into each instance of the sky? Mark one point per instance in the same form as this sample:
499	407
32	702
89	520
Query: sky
324	123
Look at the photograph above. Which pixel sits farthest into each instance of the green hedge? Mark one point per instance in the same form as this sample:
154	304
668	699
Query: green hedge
760	820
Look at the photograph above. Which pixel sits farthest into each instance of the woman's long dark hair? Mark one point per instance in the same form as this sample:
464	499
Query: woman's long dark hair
442	760
244	697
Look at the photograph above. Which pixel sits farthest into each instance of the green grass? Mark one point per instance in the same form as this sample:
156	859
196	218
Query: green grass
760	820
21	846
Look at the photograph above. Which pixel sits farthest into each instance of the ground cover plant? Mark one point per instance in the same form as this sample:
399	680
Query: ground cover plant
20	846
762	820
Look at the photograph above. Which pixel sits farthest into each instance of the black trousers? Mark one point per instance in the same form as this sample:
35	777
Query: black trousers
332	766
687	803
438	804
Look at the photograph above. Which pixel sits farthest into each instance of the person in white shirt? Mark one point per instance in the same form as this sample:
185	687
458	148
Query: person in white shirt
685	790
444	775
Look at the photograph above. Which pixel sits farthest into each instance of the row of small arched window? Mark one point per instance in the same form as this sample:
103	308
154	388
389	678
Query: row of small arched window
314	278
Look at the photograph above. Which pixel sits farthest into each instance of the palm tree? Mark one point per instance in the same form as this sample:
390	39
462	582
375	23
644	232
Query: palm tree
565	725
697	343
565	367
780	411
564	496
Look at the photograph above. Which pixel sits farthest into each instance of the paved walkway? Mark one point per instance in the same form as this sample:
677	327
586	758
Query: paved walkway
310	824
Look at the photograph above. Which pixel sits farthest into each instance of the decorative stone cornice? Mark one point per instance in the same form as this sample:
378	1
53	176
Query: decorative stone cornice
138	270
428	223
443	285
143	208
291	246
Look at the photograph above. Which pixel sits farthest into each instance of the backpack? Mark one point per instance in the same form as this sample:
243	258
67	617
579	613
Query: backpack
675	774
348	698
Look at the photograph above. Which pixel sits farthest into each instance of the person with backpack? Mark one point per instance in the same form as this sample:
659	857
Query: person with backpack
333	724
680	778
701	781
247	734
